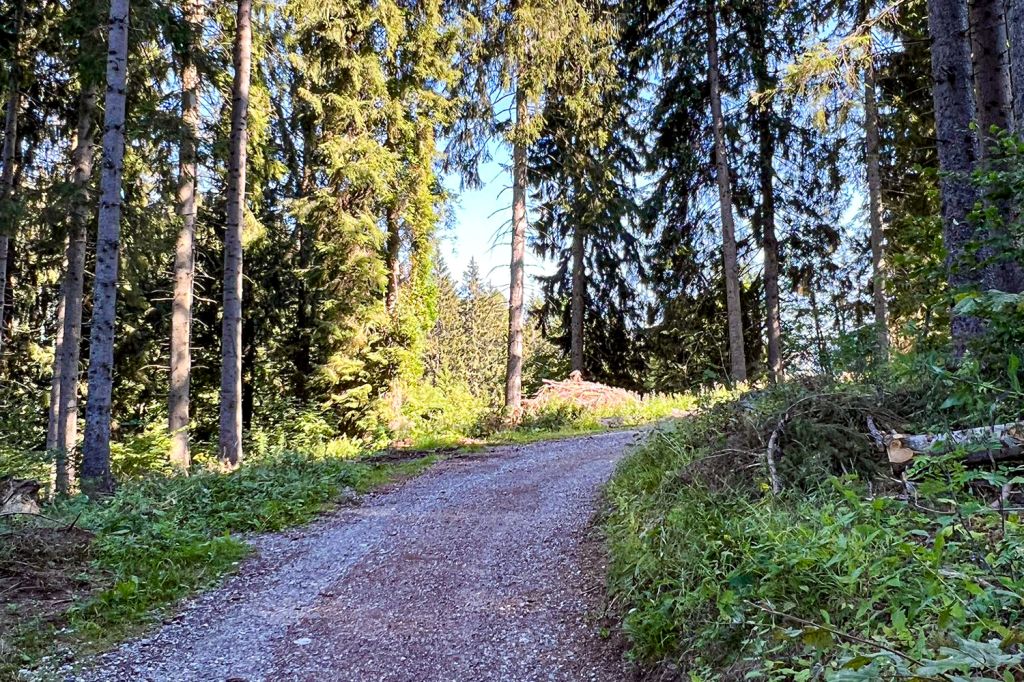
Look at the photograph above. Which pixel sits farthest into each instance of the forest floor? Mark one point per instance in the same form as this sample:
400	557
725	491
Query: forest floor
484	567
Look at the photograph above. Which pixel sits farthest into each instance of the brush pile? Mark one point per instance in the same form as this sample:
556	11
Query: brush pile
584	395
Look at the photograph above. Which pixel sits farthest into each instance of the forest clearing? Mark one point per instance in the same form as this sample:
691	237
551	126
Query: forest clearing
741	399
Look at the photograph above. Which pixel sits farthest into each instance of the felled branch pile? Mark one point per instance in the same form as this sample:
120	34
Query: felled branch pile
584	394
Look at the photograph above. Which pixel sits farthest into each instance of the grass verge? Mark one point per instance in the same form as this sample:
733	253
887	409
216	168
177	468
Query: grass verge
841	577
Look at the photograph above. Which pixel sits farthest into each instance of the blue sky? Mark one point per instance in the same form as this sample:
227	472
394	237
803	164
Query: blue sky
482	219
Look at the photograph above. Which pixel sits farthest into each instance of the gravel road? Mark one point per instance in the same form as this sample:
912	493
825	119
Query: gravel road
482	568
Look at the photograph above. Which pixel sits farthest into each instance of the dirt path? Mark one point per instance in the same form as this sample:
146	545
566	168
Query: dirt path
480	569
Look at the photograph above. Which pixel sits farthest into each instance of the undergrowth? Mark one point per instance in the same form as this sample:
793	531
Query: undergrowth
842	576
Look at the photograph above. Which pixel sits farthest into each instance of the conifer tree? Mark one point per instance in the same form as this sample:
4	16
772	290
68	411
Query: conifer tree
96	474
231	332
737	353
184	253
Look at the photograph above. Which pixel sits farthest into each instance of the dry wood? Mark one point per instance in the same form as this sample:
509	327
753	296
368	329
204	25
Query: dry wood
981	444
19	496
576	391
773	449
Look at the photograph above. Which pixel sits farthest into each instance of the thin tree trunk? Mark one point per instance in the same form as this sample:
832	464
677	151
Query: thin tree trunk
307	243
871	161
8	158
96	474
766	180
392	258
737	354
74	286
579	295
184	252
231	345
53	410
819	337
957	147
514	371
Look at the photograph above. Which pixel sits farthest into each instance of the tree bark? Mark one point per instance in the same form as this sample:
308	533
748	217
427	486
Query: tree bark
184	252
514	371
74	286
874	177
1015	35
96	476
991	68
231	345
737	354
8	158
957	147
579	296
988	30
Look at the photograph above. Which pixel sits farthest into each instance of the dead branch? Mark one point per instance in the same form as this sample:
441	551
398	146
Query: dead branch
981	445
773	448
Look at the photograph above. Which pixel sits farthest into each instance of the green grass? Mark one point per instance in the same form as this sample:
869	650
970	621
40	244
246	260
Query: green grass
162	537
719	579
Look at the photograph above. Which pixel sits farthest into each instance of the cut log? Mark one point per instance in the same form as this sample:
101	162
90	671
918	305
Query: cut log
981	445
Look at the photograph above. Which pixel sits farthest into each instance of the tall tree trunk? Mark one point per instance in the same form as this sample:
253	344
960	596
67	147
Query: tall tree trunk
871	161
737	354
74	286
1015	35
231	344
957	147
579	295
8	158
184	252
517	269
303	351
988	30
393	258
96	474
766	181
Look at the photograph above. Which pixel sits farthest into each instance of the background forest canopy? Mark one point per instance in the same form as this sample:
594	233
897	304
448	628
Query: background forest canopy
723	193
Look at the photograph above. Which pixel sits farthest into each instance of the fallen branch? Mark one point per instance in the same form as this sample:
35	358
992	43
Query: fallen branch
773	448
982	445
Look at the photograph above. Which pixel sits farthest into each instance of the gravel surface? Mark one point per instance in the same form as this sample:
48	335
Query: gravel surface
482	568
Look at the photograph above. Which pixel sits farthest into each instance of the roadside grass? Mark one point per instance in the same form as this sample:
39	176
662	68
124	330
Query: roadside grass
563	419
838	578
156	540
